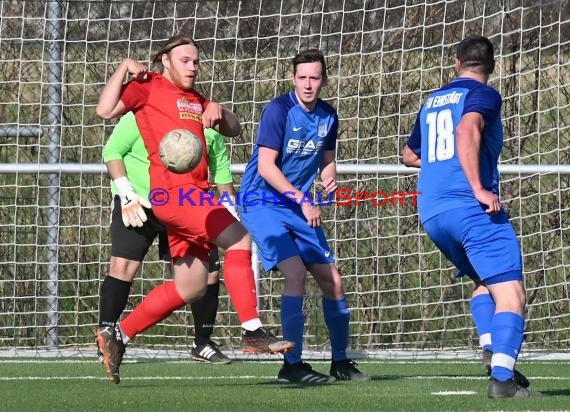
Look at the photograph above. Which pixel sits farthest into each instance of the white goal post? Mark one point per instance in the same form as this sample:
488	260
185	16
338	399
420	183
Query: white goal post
383	57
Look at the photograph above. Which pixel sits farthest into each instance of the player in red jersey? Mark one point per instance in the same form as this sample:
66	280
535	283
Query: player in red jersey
163	102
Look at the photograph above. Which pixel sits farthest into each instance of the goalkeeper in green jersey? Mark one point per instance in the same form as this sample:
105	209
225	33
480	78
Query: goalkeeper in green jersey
134	228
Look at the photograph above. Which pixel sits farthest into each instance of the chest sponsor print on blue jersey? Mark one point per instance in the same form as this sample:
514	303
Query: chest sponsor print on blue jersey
304	147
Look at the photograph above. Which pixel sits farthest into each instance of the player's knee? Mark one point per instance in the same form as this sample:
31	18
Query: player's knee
333	290
522	298
519	295
480	289
244	242
330	281
234	237
295	273
295	284
191	293
241	241
516	305
213	277
510	297
123	269
199	294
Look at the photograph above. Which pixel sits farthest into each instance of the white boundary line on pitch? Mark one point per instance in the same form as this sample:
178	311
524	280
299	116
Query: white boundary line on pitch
454	393
130	378
209	378
54	361
312	355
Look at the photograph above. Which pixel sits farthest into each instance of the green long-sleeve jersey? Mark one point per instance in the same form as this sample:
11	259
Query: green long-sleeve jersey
127	144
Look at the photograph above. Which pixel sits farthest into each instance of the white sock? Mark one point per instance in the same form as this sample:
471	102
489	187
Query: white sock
124	337
251	324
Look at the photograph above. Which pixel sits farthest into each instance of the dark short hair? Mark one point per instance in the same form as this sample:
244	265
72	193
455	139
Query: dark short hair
476	51
310	56
174	41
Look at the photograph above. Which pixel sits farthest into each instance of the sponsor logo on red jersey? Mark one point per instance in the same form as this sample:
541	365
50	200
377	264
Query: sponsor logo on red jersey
188	110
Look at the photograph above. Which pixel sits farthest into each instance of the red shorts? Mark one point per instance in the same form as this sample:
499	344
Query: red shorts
192	222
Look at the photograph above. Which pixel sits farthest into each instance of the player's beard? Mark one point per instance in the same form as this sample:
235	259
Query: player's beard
182	82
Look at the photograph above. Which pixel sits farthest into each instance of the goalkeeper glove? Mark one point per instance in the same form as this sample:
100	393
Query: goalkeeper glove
131	204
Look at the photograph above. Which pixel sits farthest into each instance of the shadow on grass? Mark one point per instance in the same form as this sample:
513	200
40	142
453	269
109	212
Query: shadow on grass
388	377
560	392
304	386
376	378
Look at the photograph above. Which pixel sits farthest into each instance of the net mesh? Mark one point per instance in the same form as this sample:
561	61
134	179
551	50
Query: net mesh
383	57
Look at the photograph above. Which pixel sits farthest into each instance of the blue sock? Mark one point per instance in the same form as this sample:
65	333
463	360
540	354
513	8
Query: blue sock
507	334
482	311
336	317
293	323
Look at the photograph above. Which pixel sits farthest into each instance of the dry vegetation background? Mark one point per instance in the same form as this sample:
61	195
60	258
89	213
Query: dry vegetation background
383	58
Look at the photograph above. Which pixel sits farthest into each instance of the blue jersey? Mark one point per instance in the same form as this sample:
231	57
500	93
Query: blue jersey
442	182
300	137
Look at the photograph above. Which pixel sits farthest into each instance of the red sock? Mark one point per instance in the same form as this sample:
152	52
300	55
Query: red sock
240	283
158	305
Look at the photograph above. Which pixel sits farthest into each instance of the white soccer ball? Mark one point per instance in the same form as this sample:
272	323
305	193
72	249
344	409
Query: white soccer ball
180	151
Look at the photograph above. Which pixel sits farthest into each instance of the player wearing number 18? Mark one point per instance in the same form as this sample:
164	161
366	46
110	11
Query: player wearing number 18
457	140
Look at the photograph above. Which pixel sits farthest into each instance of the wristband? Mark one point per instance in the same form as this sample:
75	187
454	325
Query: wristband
123	185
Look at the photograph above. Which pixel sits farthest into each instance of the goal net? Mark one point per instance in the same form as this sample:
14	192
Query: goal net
383	57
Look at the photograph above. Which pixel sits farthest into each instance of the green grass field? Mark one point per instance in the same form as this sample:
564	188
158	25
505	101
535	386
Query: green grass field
81	385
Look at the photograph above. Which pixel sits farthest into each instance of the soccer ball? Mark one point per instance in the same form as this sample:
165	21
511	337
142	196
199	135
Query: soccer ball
180	151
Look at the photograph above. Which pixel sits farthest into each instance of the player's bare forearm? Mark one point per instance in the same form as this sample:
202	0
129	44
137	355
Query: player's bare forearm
328	171
110	105
110	96
116	168
410	159
468	140
227	188
267	169
328	165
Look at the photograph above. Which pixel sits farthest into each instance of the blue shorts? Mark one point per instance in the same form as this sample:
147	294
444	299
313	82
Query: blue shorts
283	232
481	246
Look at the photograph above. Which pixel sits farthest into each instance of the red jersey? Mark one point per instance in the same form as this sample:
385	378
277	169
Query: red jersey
160	107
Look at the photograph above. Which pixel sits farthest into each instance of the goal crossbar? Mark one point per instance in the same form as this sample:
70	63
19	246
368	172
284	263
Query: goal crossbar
343	169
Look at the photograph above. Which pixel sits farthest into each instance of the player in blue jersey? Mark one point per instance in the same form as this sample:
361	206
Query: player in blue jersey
297	138
457	140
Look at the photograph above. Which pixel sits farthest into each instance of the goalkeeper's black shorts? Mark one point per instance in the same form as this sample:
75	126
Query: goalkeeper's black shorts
133	243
